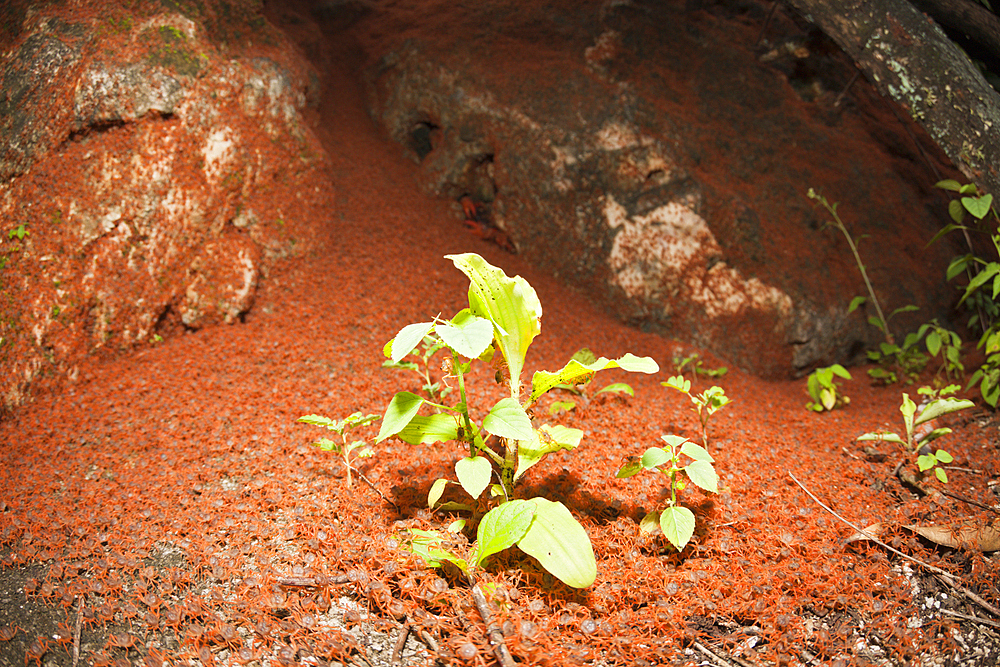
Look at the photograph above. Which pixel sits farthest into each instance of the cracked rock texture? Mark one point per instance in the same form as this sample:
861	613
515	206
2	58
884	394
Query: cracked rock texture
150	174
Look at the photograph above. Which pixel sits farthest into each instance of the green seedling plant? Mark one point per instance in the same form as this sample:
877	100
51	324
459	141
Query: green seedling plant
917	441
706	404
676	522
342	427
824	390
983	287
503	318
694	363
585	356
906	357
424	352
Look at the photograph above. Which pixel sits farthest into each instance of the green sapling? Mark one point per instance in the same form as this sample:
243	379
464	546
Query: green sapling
706	404
342	427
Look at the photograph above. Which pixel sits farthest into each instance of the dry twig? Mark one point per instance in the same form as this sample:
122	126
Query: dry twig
946	577
493	631
397	651
76	632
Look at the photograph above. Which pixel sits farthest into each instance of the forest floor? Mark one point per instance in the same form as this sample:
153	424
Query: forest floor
166	507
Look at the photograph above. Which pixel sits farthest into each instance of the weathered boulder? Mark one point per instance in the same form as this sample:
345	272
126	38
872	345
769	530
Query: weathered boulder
648	154
149	177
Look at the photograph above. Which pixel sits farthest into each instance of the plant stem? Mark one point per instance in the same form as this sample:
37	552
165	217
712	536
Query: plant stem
456	366
839	224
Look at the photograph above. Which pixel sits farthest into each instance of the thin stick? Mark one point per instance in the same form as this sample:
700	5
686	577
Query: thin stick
840	98
767	22
711	654
397	651
376	489
493	631
974	619
429	640
76	631
946	577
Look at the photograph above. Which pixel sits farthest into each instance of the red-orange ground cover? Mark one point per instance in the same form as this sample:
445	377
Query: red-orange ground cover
169	502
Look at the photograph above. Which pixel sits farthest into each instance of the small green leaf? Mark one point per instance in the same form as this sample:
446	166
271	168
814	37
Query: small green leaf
327	445
428	429
956	211
978	206
881	437
508	419
650	523
561	405
949	184
474	474
926	462
828	397
943	456
677	524
502	527
942	406
679	383
618	388
560	544
402	408
407	339
697	452
856	302
319	420
941	475
840	371
629	468
466	334
437	490
933	342
654	457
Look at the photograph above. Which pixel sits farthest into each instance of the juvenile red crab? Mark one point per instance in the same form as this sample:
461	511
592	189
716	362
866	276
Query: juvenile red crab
478	223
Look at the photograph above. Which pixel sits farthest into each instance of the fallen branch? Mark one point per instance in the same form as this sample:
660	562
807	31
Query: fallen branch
973	619
493	631
946	577
397	651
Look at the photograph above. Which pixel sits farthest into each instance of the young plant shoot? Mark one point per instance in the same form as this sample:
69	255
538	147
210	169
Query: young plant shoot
503	317
824	391
341	427
676	522
918	439
706	404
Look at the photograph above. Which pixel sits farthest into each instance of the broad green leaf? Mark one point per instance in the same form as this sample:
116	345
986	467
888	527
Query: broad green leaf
407	339
942	406
474	474
697	452
855	303
828	397
674	441
988	272
679	383
949	184
427	545
509	303
319	420
437	490
908	408
402	408
629	468
327	445
934	435
957	266
575	372
654	457
618	388
466	334
560	544
502	527
840	371
956	211
650	523
943	456
561	405
941	475
933	342
428	429
677	524
978	206
508	419
543	441
926	461
703	475
881	437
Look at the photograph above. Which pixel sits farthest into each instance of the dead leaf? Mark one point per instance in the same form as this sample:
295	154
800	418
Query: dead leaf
983	538
874	530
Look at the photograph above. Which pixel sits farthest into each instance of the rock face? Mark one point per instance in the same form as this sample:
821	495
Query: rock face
149	177
647	153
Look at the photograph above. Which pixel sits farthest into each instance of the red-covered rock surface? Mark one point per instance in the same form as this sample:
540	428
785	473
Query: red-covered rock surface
168	502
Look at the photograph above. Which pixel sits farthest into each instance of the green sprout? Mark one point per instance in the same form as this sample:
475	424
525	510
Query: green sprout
706	404
824	391
342	427
676	522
